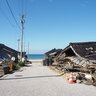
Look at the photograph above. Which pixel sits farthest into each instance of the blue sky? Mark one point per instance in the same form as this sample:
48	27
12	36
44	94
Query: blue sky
48	23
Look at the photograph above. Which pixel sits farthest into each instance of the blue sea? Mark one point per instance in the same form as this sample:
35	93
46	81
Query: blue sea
35	56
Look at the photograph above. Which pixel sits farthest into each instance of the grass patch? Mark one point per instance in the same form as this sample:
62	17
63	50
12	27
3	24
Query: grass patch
17	66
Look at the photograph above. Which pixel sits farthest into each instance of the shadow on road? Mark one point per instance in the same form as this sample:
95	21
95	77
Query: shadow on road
31	77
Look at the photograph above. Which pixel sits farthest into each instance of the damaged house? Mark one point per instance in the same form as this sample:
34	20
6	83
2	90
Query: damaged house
80	55
6	55
50	56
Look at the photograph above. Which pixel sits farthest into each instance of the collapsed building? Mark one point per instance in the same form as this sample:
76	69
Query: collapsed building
6	54
50	56
80	55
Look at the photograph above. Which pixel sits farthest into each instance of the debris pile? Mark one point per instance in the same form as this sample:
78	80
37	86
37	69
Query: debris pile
8	57
50	56
81	78
80	57
76	56
4	67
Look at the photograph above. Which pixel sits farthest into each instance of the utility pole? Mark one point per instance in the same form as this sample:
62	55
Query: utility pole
24	47
28	48
18	44
22	34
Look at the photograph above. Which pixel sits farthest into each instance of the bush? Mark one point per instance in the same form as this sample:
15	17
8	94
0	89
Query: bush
21	64
17	66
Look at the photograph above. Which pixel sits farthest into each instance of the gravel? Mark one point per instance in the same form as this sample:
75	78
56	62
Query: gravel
38	80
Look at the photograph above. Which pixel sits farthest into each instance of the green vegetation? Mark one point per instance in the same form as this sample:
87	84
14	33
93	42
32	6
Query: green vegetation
18	65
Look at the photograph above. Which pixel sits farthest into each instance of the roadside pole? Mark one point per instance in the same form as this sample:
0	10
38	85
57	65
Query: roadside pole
22	35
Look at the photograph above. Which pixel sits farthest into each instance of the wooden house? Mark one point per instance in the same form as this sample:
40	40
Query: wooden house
82	54
6	54
50	55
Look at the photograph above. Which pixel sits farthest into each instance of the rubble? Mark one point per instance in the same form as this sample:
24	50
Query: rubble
8	57
50	56
81	78
76	57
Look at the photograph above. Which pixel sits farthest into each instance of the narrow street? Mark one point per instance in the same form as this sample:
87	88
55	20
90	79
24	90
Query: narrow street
38	80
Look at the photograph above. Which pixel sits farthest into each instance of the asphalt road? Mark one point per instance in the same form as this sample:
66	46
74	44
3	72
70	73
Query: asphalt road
37	80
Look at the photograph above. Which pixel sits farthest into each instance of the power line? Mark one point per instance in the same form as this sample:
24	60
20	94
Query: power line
12	14
6	17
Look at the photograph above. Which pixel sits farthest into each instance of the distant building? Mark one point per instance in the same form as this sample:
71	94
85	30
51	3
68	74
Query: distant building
50	55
